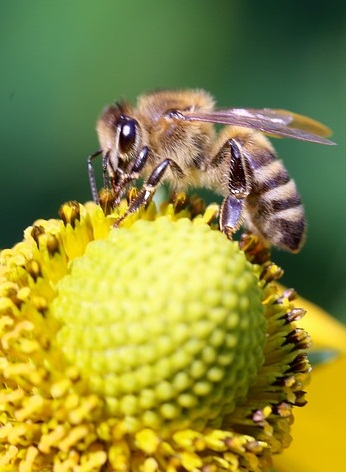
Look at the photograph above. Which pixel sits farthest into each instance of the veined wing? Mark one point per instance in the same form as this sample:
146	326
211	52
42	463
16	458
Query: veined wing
273	122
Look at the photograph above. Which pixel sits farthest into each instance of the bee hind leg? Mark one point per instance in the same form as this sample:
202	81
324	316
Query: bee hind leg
231	212
231	215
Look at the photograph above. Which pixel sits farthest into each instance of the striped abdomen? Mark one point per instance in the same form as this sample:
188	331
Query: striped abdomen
273	207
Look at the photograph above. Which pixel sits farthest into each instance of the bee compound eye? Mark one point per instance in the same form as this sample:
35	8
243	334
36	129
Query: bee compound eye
128	133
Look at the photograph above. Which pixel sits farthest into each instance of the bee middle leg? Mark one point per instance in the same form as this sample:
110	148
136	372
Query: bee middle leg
149	187
238	186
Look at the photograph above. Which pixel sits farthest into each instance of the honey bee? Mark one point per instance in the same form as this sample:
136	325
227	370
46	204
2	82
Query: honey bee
170	137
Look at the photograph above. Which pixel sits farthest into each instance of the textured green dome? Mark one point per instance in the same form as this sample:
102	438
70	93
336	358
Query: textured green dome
168	329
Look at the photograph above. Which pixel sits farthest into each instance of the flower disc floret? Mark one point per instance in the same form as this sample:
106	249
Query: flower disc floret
130	332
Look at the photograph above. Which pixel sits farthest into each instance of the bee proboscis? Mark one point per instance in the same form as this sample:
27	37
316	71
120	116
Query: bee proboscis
169	136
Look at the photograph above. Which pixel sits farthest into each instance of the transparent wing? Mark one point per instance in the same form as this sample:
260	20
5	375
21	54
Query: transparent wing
270	121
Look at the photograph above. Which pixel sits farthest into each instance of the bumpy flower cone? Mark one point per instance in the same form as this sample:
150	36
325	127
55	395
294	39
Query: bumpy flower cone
156	346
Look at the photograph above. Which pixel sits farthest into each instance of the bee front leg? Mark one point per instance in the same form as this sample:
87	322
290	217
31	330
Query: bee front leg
231	212
125	177
91	174
149	187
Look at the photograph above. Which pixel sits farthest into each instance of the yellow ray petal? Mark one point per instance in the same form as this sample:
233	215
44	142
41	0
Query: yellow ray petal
319	429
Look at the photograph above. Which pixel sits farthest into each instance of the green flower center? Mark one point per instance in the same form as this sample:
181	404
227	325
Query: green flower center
173	341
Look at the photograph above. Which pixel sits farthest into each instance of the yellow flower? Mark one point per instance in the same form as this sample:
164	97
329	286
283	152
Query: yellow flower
156	346
319	431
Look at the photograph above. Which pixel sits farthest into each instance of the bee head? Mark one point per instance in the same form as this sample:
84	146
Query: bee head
119	134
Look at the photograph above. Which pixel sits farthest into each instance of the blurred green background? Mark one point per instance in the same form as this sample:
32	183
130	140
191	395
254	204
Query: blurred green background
62	61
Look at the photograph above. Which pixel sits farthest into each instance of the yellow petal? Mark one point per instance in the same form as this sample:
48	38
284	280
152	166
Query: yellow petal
319	429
